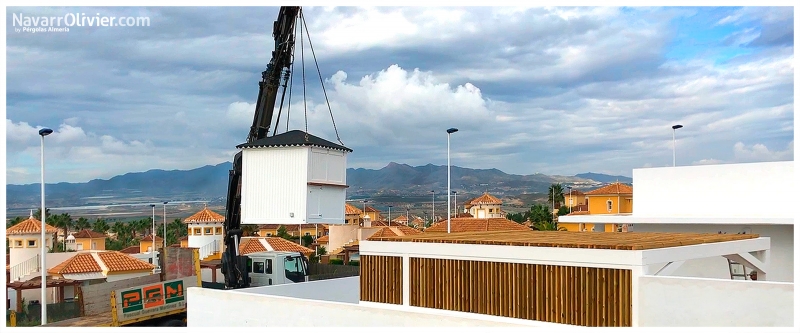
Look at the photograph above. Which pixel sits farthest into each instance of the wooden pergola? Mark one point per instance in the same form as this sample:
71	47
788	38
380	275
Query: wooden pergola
36	283
576	278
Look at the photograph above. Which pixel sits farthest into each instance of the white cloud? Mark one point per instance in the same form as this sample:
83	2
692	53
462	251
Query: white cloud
760	153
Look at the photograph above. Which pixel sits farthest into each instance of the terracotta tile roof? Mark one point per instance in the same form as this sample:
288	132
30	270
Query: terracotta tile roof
464	215
254	244
407	230
485	199
401	218
384	232
280	244
205	216
371	209
615	188
30	226
80	263
574	192
88	233
121	262
323	239
149	238
350	209
131	249
292	227
251	245
474	224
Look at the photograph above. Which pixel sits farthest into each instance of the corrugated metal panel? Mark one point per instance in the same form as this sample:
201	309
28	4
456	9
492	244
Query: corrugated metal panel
274	185
325	204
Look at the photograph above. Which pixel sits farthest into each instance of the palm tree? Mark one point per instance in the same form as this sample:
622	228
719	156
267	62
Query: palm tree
82	223
14	221
555	195
100	225
38	213
548	226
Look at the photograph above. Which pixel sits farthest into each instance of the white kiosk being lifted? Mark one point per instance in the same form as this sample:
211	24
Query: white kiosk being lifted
293	178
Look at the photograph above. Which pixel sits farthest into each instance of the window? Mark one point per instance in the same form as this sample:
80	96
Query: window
308	234
31	243
570	201
19	243
490	210
609	205
80	246
208	231
294	269
94	245
269	234
268	262
258	267
218	231
198	231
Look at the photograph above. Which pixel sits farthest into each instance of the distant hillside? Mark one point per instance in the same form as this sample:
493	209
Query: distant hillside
604	178
210	183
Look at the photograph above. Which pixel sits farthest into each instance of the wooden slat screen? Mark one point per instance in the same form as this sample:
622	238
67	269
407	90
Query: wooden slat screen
381	279
559	294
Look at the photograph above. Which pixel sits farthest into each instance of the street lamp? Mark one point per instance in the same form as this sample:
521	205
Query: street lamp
674	127
165	223
433	207
153	235
569	188
455	203
389	221
449	131
43	133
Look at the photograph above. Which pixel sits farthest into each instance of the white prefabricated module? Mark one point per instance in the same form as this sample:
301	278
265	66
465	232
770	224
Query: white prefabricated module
293	178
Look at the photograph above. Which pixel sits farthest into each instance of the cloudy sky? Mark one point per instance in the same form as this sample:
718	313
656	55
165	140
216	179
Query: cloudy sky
550	90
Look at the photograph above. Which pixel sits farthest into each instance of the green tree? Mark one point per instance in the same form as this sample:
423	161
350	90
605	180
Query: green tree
100	225
63	221
283	234
564	210
516	217
38	214
250	230
12	222
307	240
547	226
82	223
555	194
540	213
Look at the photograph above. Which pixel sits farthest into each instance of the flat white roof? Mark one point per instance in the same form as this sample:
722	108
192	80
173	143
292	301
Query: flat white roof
631	219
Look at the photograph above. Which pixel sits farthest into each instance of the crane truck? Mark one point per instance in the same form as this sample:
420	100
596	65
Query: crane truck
236	268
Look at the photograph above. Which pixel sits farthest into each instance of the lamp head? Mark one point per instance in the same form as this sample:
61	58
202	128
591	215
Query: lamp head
452	130
45	132
677	127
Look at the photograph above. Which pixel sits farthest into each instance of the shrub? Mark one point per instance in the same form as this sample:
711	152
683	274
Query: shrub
353	263
336	262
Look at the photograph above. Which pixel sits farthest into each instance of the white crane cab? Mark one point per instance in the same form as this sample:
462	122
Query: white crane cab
276	267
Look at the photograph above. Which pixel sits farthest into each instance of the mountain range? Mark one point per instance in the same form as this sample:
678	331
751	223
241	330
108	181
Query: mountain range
210	183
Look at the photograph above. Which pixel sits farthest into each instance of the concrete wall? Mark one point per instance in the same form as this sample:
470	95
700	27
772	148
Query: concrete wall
691	302
126	276
345	290
178	263
216	308
781	266
338	235
725	190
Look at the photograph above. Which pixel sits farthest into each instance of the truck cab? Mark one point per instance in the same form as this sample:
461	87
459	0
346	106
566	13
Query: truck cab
276	267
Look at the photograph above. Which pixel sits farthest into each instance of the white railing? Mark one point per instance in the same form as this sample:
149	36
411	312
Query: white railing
24	268
209	249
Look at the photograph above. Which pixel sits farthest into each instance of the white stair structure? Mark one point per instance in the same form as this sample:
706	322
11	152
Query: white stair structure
25	268
211	248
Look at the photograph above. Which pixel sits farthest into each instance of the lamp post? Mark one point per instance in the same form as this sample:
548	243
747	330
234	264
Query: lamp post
449	131
569	188
43	133
165	224
455	203
674	127
433	207
153	235
389	221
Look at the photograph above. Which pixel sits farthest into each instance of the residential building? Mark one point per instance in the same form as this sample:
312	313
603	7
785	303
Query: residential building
485	206
352	215
724	198
374	214
575	279
615	198
469	224
574	198
205	233
294	230
93	266
24	241
86	239
260	244
402	219
147	242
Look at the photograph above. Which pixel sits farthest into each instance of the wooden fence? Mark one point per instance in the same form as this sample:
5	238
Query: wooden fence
381	279
559	294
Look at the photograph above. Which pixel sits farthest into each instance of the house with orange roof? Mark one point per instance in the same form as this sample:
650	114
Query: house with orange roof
86	239
94	266
352	215
146	243
269	230
206	233
574	198
484	206
466	224
374	214
24	246
402	219
612	199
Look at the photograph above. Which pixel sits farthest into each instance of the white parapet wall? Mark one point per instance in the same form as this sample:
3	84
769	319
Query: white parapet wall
696	302
326	303
750	190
